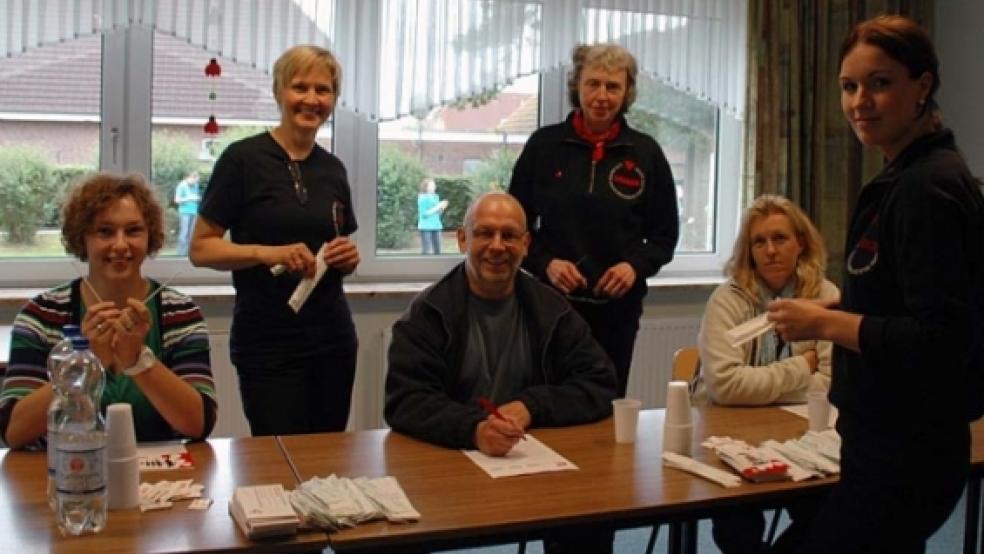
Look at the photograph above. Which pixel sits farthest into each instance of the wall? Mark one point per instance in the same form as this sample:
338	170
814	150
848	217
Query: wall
960	42
666	307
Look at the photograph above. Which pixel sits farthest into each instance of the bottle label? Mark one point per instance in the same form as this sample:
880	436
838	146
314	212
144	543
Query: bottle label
80	471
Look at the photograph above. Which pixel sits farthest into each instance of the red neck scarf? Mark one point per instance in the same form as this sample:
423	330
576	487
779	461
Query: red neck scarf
597	139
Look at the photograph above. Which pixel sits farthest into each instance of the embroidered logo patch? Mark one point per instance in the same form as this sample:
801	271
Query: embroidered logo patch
627	180
864	256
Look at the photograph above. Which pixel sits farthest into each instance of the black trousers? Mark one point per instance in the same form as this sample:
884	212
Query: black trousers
890	500
614	325
298	394
742	529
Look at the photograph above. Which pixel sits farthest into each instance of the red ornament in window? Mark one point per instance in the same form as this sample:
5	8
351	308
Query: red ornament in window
212	126
213	69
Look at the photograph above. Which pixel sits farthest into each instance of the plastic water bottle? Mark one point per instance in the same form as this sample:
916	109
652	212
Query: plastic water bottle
58	354
80	451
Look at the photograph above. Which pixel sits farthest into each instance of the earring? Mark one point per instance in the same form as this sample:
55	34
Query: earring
922	101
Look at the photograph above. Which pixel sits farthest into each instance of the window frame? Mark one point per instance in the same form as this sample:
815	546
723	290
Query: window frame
126	122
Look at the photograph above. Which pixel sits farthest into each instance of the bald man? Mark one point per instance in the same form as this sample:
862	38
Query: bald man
488	330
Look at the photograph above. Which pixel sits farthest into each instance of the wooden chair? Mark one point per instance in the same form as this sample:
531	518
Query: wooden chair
686	362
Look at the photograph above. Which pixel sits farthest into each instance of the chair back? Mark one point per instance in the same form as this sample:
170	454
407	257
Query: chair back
686	362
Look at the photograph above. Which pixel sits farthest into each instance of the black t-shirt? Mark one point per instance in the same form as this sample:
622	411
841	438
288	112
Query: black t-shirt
251	193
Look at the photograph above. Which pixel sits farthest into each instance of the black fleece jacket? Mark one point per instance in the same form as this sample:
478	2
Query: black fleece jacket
915	253
622	208
573	379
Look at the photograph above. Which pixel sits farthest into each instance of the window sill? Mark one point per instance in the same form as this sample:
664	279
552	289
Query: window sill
15	297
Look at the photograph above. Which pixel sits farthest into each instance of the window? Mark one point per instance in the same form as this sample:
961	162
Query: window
49	135
450	89
466	148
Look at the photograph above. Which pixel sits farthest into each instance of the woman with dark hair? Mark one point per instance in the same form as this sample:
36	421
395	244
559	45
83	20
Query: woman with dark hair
600	201
909	331
281	196
151	340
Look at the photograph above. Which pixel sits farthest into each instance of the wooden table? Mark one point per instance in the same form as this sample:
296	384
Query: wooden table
27	525
623	485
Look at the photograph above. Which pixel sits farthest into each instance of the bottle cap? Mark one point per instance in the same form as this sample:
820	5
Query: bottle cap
79	342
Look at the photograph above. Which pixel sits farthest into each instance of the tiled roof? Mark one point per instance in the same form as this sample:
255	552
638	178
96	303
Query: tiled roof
485	118
64	78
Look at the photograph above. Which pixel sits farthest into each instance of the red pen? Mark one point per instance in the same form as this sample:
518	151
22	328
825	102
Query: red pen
490	409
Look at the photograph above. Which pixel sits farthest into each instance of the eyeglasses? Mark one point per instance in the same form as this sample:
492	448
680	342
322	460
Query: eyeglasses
299	189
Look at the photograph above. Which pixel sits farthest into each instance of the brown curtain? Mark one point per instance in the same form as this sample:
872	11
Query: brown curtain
797	142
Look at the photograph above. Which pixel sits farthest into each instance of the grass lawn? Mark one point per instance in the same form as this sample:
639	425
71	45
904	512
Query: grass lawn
47	244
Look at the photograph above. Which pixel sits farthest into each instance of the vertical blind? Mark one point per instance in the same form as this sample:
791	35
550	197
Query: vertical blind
431	52
252	32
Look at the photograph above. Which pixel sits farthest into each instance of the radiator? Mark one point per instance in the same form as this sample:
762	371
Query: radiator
652	360
230	422
368	396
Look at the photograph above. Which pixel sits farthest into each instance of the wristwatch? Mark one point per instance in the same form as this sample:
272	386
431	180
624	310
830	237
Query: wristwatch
145	361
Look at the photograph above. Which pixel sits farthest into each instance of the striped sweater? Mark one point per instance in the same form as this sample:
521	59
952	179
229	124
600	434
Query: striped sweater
178	337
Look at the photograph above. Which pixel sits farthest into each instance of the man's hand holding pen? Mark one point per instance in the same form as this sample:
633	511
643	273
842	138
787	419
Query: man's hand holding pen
503	428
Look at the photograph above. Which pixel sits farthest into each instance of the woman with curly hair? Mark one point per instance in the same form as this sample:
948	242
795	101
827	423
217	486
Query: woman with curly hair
151	340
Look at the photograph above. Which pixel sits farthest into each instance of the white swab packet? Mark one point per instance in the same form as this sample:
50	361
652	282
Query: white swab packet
749	330
307	284
701	469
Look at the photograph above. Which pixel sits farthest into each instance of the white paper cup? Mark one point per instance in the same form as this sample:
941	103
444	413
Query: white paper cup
678	403
121	439
626	412
818	410
678	438
123	483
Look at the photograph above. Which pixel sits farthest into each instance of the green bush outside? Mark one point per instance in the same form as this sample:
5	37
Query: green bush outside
173	157
396	197
25	188
63	178
457	190
494	173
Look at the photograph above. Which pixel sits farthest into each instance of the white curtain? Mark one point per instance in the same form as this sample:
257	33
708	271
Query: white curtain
697	46
252	32
430	52
437	51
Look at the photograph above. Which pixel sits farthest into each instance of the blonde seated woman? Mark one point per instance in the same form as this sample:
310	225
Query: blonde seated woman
778	253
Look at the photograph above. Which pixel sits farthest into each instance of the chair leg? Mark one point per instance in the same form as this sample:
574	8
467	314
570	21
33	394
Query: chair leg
773	526
652	539
522	548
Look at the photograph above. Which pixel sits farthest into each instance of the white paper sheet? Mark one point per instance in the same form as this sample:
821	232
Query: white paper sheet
527	457
157	456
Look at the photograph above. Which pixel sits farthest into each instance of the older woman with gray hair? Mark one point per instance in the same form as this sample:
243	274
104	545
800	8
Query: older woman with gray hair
600	201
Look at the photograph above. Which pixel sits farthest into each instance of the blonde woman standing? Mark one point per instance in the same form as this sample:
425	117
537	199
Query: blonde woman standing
281	196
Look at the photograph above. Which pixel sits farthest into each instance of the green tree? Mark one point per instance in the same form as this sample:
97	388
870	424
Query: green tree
230	135
173	157
396	197
457	191
63	178
494	173
25	186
